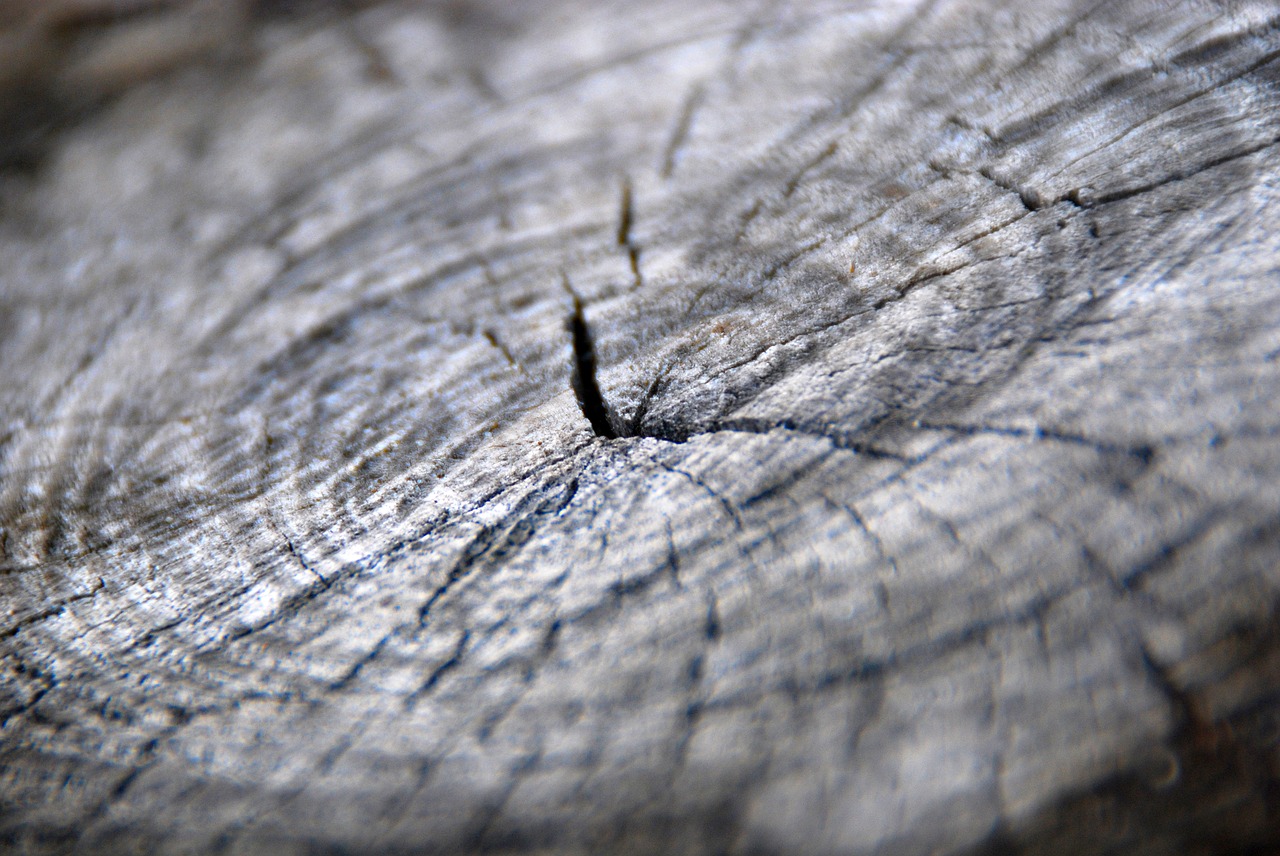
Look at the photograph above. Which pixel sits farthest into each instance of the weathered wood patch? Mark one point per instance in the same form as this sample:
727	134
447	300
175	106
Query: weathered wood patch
827	427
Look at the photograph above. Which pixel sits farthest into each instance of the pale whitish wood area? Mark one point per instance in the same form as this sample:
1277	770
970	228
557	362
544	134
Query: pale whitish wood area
939	339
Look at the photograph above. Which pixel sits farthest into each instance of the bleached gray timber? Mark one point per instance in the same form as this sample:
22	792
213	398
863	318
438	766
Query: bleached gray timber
932	503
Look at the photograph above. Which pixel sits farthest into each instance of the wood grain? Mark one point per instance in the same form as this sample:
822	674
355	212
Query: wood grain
824	427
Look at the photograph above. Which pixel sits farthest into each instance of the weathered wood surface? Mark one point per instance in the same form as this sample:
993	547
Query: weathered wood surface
939	346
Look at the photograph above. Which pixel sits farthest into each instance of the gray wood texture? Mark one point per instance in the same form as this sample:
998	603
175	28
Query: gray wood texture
686	427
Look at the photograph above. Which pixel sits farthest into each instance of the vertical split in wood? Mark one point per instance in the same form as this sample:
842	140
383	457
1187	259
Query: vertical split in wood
626	217
583	378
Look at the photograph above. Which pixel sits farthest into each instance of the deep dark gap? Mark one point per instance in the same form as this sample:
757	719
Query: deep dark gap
584	374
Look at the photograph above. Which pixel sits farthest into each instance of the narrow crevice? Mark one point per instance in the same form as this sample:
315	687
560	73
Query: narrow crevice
680	130
1186	710
793	183
297	557
791	426
1031	198
54	611
626	217
673	434
353	671
1144	453
711	629
498	345
1083	198
1169	553
583	378
636	423
440	671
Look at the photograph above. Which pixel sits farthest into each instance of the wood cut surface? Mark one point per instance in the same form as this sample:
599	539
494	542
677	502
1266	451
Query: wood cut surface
717	427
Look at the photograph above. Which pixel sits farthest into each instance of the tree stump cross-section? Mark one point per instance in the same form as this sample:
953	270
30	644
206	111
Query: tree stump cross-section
769	427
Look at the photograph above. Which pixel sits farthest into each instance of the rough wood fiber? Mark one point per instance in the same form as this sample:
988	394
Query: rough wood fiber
825	427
